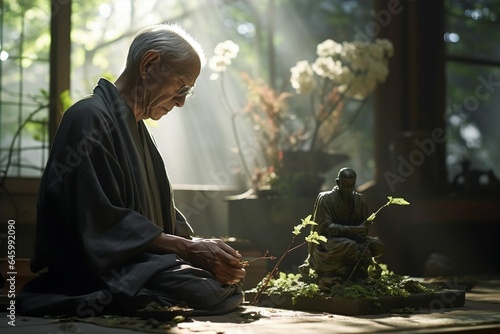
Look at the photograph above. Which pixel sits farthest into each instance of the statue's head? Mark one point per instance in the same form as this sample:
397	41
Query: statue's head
346	180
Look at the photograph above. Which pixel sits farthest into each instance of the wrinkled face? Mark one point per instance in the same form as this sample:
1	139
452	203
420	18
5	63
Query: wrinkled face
346	185
166	86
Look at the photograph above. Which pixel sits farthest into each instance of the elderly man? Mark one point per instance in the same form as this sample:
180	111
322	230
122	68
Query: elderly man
341	217
109	238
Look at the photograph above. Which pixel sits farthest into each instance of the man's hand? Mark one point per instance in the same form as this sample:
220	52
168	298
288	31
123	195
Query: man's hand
217	257
213	255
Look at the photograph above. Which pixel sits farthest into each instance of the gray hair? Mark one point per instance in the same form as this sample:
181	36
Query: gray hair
170	40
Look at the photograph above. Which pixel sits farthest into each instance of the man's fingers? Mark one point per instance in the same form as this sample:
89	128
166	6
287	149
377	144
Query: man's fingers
228	249
232	277
231	256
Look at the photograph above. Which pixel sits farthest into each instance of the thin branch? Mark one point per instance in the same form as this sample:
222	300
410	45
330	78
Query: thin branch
275	269
348	124
18	132
359	260
266	256
9	157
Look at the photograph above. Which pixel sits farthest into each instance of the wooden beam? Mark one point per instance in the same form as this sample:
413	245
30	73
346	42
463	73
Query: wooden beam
60	50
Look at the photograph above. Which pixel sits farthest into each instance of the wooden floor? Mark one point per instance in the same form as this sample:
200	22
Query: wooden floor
480	314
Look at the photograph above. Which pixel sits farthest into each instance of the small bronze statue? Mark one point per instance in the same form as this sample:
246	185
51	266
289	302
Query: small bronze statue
341	215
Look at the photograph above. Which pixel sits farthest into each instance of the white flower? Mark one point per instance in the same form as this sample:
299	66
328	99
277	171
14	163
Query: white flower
219	63
378	71
326	67
376	51
356	68
347	50
359	63
387	46
223	53
346	77
302	77
328	48
228	49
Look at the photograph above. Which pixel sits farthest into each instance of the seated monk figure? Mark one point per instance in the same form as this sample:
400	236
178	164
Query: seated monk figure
341	217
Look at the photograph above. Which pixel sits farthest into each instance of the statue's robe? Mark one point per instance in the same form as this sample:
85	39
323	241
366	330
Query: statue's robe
104	196
343	248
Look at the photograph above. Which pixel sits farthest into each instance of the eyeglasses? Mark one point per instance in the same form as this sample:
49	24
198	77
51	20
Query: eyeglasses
185	90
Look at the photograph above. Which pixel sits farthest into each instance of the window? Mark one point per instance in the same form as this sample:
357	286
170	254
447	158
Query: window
24	78
473	85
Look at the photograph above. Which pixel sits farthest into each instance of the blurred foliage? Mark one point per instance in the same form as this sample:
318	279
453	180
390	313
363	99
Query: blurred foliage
36	35
472	34
470	19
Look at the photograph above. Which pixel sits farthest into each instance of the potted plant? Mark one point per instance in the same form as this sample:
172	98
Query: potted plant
295	138
381	291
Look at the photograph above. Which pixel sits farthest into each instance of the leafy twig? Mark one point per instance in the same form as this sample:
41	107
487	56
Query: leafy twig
313	237
392	200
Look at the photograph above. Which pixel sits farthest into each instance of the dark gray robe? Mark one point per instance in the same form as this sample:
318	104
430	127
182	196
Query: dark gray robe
104	197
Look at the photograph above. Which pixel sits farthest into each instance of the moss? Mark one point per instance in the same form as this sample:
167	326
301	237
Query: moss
383	284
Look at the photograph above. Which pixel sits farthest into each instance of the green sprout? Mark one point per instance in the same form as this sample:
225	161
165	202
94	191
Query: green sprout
313	237
392	200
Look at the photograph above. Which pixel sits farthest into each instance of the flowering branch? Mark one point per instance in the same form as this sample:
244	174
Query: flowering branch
224	53
342	73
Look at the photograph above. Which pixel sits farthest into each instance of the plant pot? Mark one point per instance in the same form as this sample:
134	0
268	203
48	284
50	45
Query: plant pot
353	307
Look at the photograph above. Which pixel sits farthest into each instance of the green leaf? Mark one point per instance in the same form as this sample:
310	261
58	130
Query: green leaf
398	201
296	229
312	273
314	237
371	218
307	221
